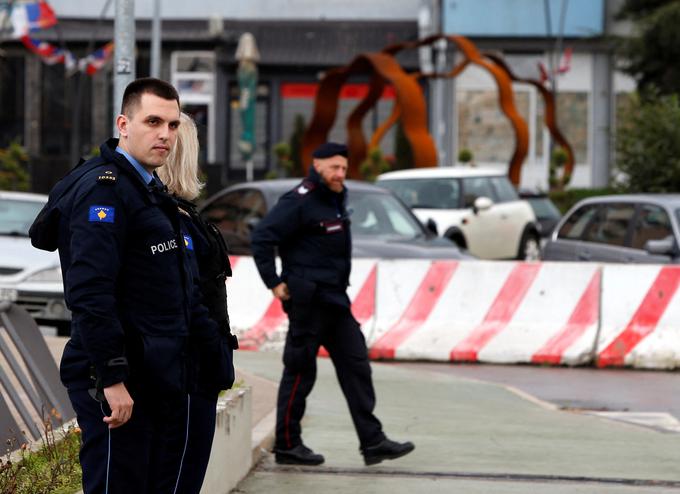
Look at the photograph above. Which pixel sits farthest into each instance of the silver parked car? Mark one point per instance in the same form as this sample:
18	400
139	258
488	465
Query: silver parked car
640	228
28	276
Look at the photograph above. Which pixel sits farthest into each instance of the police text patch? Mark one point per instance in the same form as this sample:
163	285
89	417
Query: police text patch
102	214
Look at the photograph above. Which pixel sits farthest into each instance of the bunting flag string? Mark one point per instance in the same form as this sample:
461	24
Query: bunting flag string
96	60
51	54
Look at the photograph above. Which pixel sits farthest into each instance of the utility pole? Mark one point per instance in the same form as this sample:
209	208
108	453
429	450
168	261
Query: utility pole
124	58
156	40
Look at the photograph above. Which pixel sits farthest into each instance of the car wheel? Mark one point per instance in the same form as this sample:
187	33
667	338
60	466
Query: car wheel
529	247
63	328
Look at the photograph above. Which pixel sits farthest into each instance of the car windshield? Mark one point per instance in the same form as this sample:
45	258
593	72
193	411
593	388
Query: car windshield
381	215
16	216
430	193
544	208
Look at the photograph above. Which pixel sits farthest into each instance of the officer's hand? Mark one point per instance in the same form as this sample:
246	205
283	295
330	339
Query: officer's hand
120	402
280	291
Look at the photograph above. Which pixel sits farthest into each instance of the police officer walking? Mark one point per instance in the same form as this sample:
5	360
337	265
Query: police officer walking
135	305
310	227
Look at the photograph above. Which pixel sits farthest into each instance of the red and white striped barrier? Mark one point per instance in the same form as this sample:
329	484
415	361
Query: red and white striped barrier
640	320
486	311
258	319
481	311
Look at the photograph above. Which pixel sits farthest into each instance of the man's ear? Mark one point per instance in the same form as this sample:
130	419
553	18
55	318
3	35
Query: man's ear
121	123
316	164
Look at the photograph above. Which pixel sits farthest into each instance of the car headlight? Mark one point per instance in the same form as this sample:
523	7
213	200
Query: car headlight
53	274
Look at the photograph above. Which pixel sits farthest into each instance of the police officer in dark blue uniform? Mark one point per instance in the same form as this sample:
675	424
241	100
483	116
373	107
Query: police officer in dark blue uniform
135	305
310	227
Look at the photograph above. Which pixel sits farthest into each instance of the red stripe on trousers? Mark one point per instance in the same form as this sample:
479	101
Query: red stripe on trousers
584	316
272	319
428	293
645	319
503	308
363	306
290	405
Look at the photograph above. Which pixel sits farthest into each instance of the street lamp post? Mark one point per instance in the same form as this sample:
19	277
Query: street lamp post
124	58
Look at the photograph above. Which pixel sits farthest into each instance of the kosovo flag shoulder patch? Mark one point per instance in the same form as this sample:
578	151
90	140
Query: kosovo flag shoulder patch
102	214
188	242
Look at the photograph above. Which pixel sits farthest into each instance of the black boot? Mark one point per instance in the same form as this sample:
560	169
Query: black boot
386	450
299	455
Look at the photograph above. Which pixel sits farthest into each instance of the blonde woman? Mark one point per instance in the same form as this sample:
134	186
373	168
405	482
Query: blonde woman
209	263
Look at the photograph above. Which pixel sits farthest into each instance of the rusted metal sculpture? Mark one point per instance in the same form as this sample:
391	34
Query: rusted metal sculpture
410	107
384	69
505	91
548	118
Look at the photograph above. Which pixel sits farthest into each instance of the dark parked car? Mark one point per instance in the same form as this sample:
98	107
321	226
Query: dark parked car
382	226
620	228
547	214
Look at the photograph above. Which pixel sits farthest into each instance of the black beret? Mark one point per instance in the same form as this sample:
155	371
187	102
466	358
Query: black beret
329	149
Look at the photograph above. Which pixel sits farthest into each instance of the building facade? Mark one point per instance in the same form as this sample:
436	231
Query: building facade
60	116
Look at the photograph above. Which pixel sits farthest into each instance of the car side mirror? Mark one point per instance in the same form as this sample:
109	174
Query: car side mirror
431	225
664	247
482	204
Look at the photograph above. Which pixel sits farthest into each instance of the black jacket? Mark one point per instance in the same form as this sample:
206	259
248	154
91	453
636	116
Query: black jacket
310	226
127	278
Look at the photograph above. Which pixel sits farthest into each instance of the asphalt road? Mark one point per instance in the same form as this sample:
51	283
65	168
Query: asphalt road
582	388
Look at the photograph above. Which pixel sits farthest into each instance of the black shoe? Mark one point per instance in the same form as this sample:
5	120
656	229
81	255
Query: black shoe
299	455
386	450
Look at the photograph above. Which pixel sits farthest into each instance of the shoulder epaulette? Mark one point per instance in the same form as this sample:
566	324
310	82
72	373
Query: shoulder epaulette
108	176
305	187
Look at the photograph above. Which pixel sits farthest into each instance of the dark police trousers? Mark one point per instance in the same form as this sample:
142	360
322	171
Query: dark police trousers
149	454
334	327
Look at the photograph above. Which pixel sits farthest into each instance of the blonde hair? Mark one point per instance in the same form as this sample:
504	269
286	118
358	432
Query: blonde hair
180	172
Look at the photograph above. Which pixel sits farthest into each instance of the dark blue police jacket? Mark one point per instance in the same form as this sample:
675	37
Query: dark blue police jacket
310	226
127	281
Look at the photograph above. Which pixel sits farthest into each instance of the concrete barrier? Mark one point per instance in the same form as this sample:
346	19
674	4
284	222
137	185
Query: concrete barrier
640	319
230	460
258	319
501	312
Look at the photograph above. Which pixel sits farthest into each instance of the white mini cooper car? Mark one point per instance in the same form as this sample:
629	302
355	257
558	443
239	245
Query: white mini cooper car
478	209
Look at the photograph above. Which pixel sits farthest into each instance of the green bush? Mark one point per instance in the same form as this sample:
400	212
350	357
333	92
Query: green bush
465	155
374	164
13	172
565	199
648	144
53	468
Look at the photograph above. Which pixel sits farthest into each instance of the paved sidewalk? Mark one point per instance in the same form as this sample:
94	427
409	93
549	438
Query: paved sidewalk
470	437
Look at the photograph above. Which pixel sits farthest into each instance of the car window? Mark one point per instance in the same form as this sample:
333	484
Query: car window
652	223
381	215
225	211
544	208
611	224
504	191
576	223
474	187
431	193
16	216
253	208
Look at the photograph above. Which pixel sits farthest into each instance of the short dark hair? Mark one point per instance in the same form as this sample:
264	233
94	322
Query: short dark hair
138	87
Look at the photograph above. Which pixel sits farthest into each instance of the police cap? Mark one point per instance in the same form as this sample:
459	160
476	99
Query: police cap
329	149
